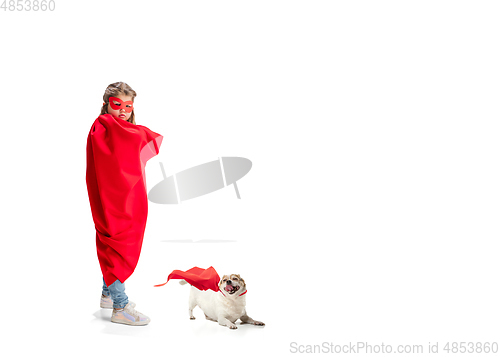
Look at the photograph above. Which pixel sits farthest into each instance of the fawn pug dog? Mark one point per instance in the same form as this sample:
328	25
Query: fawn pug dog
225	306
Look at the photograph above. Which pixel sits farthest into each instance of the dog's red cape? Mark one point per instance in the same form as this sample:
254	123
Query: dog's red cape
117	152
202	279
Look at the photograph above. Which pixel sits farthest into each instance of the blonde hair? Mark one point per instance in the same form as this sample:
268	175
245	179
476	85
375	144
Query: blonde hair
115	89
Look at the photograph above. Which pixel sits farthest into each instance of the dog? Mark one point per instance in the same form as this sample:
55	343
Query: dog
225	306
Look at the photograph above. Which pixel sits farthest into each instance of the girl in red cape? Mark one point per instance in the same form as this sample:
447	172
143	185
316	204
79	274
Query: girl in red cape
117	152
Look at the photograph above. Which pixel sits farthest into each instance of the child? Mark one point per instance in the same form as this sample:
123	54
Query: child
117	152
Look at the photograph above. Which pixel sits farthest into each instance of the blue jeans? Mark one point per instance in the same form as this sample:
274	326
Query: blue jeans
117	292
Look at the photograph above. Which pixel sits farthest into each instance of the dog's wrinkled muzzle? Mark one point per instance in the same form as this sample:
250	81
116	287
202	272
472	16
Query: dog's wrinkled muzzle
231	289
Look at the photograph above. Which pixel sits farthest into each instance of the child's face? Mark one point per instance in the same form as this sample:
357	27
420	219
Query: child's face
120	113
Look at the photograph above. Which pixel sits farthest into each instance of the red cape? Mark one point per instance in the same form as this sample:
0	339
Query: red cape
117	152
201	279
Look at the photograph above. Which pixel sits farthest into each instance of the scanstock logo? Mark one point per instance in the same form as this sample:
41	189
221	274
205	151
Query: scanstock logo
200	180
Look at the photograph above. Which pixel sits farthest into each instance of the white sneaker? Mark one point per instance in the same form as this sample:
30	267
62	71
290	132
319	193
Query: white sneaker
107	303
129	316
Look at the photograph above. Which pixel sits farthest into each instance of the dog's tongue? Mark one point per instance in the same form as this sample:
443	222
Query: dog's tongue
229	288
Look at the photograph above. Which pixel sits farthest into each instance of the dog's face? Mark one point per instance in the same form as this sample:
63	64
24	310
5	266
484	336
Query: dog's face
232	284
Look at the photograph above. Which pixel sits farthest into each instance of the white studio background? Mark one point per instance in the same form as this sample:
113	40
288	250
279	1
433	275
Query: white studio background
371	210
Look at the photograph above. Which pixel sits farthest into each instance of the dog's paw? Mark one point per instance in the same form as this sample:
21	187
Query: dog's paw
192	318
258	323
233	327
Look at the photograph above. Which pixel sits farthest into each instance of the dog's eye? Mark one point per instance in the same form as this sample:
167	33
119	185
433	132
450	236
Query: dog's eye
224	280
235	278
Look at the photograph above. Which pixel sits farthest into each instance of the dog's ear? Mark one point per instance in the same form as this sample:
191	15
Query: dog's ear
221	280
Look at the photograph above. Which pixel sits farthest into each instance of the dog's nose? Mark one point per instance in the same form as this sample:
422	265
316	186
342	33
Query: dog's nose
229	282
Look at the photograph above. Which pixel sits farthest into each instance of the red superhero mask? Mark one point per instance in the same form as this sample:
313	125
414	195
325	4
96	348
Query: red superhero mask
117	104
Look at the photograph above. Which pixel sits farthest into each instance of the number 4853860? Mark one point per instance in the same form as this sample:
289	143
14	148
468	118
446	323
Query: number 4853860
471	347
28	5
